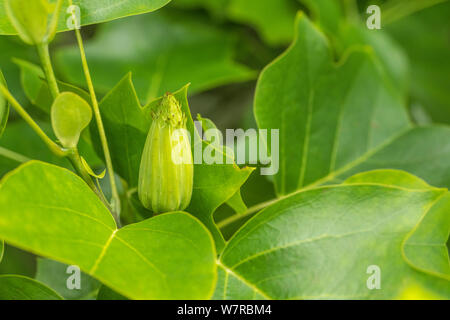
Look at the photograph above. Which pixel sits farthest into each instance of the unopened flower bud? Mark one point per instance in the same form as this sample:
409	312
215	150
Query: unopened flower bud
166	172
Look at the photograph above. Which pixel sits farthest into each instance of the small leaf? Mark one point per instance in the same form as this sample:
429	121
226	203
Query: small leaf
22	288
90	171
70	116
4	107
51	211
30	19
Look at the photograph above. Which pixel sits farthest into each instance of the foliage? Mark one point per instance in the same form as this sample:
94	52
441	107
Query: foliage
364	168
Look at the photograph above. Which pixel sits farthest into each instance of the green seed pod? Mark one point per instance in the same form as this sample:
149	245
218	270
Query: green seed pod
167	171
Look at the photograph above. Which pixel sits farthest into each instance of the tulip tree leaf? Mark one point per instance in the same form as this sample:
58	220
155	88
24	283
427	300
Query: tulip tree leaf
346	33
423	243
319	243
56	275
235	202
272	19
328	14
4	107
127	123
22	288
171	256
231	286
92	12
336	120
181	50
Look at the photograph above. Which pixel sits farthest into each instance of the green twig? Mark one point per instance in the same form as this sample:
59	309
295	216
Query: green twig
75	160
44	56
13	155
56	149
115	202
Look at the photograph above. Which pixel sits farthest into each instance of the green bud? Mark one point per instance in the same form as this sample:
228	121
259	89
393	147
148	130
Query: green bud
167	171
32	20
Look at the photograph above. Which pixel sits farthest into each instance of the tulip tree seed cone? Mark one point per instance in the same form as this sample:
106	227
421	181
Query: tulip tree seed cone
166	173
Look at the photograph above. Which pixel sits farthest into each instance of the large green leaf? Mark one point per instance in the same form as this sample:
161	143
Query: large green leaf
2	249
319	243
22	288
231	286
55	275
335	120
127	123
170	256
345	32
272	19
92	11
182	49
329	15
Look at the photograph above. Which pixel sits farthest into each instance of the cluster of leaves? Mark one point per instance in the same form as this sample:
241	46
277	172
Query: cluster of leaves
359	184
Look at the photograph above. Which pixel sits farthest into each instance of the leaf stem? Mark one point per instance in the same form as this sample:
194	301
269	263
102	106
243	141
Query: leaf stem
254	209
75	160
248	212
13	155
44	56
56	149
115	201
